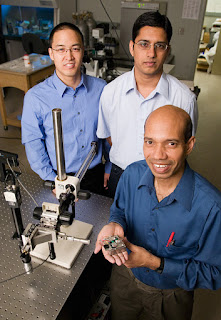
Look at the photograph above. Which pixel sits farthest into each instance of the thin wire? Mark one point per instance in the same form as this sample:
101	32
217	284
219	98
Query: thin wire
23	273
113	27
15	138
21	183
23	167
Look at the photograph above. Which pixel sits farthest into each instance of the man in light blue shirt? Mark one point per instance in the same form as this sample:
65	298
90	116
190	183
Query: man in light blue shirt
171	217
129	99
77	95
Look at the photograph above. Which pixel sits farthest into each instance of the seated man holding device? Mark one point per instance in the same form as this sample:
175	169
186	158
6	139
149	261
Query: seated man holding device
171	218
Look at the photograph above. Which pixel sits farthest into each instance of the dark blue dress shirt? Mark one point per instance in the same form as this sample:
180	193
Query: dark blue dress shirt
192	212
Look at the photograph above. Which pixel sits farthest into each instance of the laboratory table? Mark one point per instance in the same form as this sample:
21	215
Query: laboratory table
42	294
15	74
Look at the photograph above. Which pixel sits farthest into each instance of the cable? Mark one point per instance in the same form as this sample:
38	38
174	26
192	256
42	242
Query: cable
23	273
23	167
114	28
13	138
21	183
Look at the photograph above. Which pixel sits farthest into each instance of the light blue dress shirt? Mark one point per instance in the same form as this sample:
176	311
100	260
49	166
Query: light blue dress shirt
79	120
123	111
192	211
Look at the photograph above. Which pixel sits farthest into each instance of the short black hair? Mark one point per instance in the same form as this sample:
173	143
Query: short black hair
188	129
63	26
152	19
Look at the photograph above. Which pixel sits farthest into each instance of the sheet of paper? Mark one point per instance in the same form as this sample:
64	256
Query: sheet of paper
191	9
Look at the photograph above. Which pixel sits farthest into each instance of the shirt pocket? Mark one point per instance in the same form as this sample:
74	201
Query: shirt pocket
180	252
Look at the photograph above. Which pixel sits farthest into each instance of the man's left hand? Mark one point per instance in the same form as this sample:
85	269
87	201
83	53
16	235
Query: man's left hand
140	257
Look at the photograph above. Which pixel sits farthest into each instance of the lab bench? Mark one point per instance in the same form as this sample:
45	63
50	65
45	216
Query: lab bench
43	293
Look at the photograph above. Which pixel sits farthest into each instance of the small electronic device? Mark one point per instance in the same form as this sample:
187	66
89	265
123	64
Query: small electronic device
113	245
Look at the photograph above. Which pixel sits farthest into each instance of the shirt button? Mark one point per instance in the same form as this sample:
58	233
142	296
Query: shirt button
152	229
82	147
78	112
147	270
74	96
81	130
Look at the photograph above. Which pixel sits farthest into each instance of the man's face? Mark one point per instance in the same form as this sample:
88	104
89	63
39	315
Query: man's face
164	147
149	61
67	64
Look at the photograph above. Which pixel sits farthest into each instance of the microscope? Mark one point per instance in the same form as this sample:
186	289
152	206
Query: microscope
56	222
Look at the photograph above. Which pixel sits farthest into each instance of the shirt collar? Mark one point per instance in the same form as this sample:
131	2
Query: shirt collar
131	82
184	191
162	86
61	87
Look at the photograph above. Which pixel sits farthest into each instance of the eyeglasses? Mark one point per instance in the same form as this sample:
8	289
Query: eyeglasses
146	45
63	51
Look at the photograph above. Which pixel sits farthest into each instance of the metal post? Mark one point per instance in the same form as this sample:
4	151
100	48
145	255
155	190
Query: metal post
58	137
85	165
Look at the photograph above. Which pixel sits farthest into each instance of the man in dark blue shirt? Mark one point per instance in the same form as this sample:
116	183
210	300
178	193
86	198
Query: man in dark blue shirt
171	217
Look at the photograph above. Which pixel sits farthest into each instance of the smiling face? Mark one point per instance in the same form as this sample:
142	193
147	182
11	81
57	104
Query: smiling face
165	149
149	62
68	64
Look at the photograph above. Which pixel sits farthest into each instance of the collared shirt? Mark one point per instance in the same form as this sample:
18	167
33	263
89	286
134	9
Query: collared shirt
123	111
192	211
79	121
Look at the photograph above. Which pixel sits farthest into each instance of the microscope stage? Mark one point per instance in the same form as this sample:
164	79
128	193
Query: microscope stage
66	251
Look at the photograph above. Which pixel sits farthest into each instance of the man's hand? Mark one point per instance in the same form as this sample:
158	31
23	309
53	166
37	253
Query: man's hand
140	257
106	179
109	230
109	141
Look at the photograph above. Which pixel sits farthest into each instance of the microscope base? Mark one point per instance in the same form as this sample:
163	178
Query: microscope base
66	251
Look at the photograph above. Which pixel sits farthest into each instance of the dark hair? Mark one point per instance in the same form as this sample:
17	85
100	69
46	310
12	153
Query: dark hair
188	129
152	19
63	26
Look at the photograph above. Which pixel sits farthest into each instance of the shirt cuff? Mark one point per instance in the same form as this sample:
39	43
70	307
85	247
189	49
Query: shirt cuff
120	222
172	268
102	134
108	166
51	176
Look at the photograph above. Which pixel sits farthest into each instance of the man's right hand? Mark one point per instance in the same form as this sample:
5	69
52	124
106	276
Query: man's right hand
109	230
